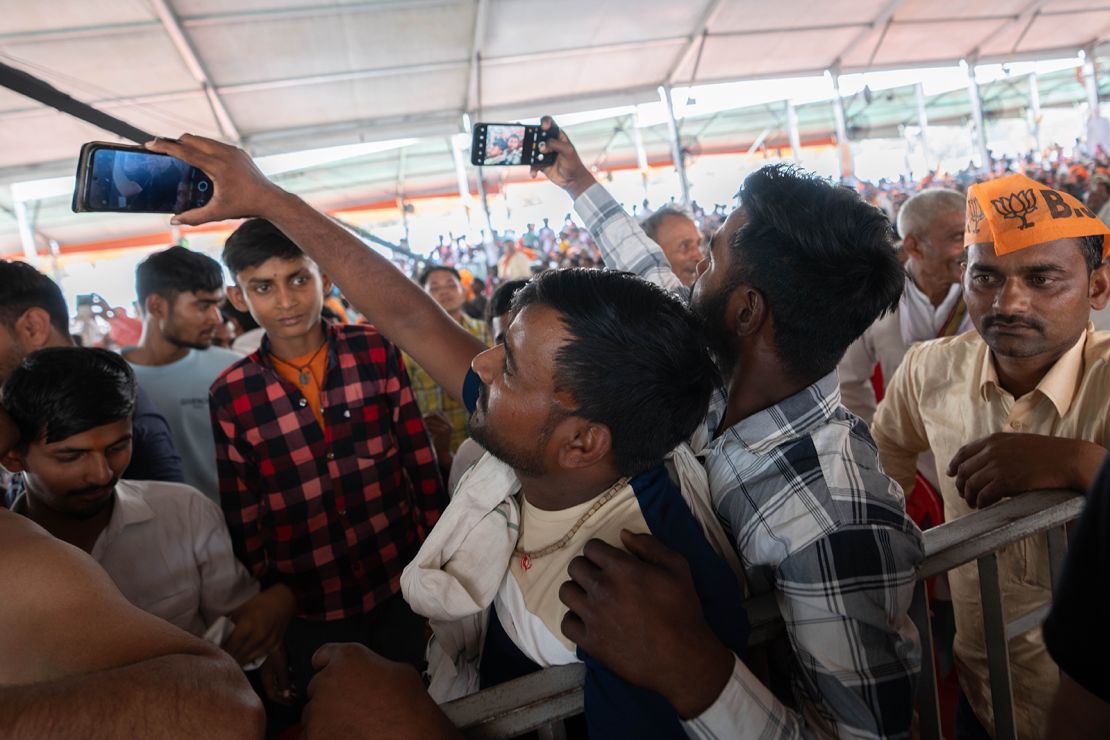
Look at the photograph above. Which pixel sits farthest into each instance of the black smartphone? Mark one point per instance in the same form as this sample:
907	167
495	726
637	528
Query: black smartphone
130	179
496	144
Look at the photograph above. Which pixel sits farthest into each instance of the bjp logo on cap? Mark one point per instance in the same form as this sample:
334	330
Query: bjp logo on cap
1017	205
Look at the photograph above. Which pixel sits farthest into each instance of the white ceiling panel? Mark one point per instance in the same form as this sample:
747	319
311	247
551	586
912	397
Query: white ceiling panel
274	50
574	75
381	98
30	16
763	54
758	15
902	44
920	10
515	28
95	68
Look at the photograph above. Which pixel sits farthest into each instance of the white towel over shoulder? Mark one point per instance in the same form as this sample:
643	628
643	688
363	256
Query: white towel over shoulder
456	574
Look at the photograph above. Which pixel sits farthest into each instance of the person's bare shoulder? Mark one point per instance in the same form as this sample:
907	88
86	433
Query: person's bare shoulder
62	615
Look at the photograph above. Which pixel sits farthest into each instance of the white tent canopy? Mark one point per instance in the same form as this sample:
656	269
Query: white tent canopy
289	75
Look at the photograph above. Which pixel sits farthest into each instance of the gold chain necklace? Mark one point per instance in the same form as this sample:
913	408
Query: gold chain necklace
303	374
526	557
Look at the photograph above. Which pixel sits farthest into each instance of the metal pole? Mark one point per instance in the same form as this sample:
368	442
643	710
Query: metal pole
1090	80
843	146
922	122
1035	110
998	652
977	116
793	133
26	233
676	143
641	155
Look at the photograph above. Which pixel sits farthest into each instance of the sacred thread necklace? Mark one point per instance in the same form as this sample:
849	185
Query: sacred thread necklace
526	557
303	375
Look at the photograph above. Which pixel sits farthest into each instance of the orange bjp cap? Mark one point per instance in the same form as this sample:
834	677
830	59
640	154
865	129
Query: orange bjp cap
1015	212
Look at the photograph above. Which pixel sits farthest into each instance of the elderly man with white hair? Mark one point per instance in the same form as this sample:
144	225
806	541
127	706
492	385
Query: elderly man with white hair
931	224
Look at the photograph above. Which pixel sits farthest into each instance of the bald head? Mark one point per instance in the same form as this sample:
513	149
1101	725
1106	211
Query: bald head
923	210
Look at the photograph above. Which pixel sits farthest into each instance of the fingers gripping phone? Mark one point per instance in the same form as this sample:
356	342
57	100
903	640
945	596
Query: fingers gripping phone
495	144
130	179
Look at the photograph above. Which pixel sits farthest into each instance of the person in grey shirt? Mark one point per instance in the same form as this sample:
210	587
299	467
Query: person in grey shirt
179	294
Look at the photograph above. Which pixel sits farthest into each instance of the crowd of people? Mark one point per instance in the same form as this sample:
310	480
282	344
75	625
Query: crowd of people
559	464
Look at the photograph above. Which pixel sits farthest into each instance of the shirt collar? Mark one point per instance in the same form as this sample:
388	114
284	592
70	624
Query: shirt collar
1059	383
913	296
262	354
790	419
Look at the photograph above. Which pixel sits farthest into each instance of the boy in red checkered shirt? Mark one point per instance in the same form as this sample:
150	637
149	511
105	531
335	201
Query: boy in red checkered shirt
327	478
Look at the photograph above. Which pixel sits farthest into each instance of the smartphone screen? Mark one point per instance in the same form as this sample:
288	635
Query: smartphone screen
130	181
504	144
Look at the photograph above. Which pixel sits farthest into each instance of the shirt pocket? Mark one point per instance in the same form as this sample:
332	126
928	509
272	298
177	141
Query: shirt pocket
372	432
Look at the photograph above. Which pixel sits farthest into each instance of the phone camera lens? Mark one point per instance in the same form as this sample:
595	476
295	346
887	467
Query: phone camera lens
202	186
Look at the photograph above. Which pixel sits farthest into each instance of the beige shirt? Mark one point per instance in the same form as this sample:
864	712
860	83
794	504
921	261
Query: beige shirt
945	394
167	548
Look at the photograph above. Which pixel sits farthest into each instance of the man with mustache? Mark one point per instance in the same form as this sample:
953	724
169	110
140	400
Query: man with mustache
1018	405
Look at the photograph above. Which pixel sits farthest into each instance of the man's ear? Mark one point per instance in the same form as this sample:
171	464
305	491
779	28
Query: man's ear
327	283
912	245
583	443
748	309
1100	286
157	306
235	296
34	329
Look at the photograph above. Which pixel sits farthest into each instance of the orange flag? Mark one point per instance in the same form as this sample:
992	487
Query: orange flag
1015	212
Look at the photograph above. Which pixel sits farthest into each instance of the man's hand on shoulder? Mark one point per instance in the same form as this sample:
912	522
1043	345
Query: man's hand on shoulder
638	613
1006	464
359	694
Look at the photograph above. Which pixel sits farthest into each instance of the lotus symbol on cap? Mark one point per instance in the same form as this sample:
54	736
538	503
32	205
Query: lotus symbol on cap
1017	205
975	215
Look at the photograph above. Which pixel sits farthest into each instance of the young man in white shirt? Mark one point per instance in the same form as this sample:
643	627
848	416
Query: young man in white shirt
164	545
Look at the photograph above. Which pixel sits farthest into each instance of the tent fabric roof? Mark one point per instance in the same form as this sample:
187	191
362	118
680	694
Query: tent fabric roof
286	75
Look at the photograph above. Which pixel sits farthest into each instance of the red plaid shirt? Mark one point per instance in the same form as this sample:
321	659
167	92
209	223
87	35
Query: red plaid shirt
335	514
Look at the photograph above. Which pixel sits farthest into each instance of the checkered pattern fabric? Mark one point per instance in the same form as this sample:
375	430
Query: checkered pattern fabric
816	520
337	512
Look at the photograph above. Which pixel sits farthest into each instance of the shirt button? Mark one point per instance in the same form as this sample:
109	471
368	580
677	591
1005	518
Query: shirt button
347	414
302	403
331	455
342	512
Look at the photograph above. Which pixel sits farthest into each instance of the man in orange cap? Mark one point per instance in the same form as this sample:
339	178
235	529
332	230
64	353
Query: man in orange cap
1018	405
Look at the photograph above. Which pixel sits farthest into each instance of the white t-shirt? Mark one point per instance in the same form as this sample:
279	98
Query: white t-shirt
180	391
169	552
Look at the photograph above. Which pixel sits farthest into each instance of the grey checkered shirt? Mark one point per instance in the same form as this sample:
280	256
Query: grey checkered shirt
814	518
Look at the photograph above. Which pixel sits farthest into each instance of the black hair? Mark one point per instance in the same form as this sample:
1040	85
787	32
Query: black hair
255	241
502	299
823	260
1091	246
427	273
23	287
635	359
176	270
58	392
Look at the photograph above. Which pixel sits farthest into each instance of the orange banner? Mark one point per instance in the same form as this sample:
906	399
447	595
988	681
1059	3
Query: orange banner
1015	212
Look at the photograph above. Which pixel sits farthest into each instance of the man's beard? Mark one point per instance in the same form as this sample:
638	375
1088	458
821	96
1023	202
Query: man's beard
173	336
710	313
525	462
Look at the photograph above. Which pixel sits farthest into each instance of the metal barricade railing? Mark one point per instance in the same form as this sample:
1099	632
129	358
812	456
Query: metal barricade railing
542	700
